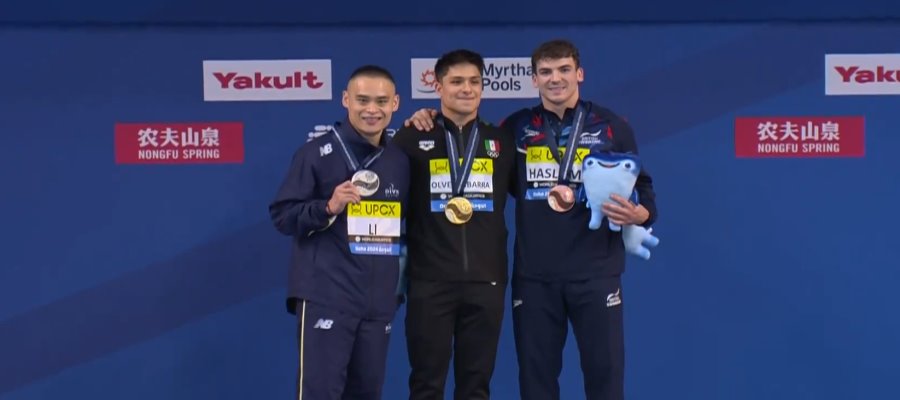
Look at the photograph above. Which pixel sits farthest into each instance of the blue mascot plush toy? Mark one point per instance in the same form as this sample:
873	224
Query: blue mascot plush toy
605	174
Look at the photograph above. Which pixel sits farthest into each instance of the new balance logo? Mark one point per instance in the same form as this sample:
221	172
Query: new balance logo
323	324
325	150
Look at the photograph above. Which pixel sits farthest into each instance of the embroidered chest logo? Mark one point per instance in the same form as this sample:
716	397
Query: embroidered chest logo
592	138
391	191
532	132
325	150
426	145
492	147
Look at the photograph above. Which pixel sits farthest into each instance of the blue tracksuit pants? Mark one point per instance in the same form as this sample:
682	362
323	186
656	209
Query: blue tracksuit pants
341	357
541	315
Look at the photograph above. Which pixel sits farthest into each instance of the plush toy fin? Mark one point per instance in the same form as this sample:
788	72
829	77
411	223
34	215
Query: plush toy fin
638	240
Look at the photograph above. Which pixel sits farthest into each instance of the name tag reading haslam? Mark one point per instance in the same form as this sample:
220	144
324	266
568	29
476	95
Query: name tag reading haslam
479	187
542	170
373	228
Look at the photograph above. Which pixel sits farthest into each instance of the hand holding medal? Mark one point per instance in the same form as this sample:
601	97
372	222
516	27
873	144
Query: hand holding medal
343	194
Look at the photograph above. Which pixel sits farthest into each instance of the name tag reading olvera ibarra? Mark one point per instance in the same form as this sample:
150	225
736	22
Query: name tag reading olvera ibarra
373	228
479	187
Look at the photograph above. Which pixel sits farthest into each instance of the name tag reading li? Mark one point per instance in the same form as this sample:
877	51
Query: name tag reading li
373	228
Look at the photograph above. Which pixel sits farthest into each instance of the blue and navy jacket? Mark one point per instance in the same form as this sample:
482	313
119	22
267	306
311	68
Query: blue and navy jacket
553	246
349	261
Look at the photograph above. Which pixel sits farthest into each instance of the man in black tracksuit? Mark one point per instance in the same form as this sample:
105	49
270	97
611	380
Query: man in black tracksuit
345	264
457	271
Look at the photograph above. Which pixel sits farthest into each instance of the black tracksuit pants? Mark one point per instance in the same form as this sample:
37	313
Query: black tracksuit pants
461	319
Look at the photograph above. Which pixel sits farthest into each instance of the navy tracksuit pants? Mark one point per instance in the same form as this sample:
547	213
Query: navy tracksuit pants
541	314
341	357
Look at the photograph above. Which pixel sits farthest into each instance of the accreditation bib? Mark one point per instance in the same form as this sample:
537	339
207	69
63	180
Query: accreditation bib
373	228
542	170
479	189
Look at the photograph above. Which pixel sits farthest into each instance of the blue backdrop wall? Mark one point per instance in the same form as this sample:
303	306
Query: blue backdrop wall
775	278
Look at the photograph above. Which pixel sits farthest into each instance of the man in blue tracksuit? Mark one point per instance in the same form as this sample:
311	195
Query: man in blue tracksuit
342	202
563	271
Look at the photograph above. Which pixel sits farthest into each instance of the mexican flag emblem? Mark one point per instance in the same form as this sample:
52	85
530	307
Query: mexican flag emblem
492	147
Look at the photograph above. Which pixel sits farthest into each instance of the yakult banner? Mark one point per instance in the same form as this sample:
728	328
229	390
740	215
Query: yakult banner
266	80
179	143
504	78
862	74
799	136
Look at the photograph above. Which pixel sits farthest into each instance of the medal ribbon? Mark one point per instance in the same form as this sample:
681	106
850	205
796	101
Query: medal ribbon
574	137
351	159
459	174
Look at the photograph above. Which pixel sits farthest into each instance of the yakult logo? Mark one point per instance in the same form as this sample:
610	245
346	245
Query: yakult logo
503	78
862	74
266	80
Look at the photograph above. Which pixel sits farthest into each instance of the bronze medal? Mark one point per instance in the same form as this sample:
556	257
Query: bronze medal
561	198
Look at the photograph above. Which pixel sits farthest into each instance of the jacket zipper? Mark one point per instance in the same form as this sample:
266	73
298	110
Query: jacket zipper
465	250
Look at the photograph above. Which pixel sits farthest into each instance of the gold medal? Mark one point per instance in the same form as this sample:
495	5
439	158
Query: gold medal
561	198
366	182
458	210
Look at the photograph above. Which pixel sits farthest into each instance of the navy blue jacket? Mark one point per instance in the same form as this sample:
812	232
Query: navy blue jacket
323	268
553	246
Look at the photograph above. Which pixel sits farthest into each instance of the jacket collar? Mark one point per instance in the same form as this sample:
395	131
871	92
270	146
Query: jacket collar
352	137
568	114
452	127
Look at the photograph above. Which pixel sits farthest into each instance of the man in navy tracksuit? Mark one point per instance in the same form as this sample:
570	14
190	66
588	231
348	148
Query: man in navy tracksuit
563	271
343	201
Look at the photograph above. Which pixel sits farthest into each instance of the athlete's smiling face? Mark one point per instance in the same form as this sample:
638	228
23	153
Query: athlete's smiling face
557	81
370	103
460	89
